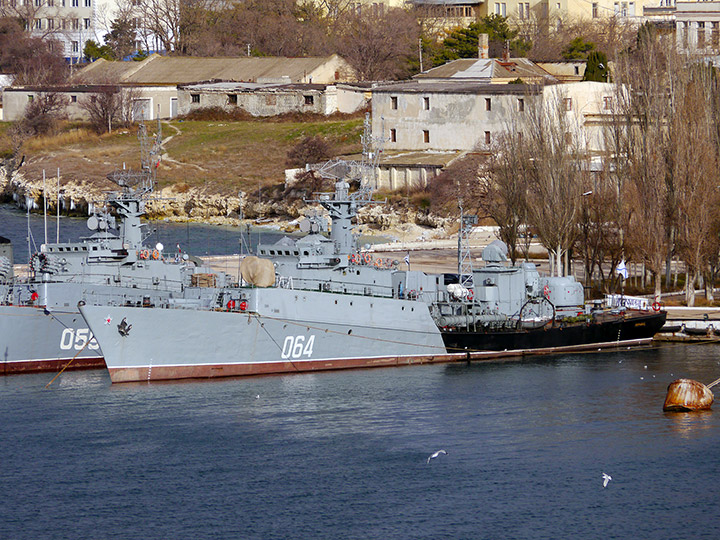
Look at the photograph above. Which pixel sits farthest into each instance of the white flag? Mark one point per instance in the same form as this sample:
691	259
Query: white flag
622	269
407	259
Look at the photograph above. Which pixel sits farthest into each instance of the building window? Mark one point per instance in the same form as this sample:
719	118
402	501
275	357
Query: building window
75	3
195	98
488	104
73	99
76	24
501	8
567	103
51	24
393	103
309	100
715	36
577	70
86	23
30	97
232	99
393	135
521	105
595	10
557	6
88	3
75	46
426	136
524	10
38	3
426	103
38	24
50	3
487	137
607	102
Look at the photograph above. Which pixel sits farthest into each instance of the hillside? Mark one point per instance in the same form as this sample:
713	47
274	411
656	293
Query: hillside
219	157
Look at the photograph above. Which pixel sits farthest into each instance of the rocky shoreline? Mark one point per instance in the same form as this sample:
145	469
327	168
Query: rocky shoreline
197	205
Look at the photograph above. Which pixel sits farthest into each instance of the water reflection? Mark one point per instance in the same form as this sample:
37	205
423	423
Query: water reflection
688	424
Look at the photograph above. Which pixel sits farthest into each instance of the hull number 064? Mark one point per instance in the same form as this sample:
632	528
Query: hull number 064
297	346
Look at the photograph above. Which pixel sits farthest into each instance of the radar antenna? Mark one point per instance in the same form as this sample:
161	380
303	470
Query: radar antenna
141	181
363	172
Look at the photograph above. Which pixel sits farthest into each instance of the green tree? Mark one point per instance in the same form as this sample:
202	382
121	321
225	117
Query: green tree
121	39
463	42
596	68
93	51
577	49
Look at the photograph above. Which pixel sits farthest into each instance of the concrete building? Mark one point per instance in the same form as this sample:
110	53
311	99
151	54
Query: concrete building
271	99
69	23
153	83
697	26
428	124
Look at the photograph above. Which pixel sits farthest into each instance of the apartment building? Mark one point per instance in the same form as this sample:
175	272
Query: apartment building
69	23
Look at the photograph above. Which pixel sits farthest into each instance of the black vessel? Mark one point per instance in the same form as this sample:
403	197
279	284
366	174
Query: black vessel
503	307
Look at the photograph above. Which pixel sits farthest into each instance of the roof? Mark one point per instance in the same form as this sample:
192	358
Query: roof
456	87
486	69
222	87
173	70
448	2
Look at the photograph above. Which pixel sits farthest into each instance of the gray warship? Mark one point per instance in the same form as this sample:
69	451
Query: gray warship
321	303
40	326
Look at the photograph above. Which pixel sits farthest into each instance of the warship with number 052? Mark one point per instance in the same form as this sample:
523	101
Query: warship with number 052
40	326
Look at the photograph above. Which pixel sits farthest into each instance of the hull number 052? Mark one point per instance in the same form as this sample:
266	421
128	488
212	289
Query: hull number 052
297	346
76	339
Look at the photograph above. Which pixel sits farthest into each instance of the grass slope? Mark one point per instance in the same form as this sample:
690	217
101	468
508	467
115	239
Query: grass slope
220	156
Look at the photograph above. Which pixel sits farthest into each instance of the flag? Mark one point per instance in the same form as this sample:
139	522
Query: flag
407	259
622	269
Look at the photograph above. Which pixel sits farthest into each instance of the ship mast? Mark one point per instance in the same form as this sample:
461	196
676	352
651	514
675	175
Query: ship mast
465	267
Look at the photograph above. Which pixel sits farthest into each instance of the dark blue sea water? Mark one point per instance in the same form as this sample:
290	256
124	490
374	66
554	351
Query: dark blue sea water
344	454
196	238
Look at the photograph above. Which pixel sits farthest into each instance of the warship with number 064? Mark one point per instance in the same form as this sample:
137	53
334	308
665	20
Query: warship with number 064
313	304
40	326
321	303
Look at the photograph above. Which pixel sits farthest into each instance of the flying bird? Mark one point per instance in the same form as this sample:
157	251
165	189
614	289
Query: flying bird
436	454
606	479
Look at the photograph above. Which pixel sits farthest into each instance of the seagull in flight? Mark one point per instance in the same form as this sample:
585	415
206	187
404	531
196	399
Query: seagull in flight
606	479
436	454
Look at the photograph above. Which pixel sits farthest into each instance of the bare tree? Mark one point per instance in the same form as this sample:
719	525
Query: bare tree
104	107
558	174
643	145
696	172
29	58
507	175
380	46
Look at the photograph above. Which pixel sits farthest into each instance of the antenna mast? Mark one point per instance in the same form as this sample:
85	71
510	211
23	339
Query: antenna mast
465	267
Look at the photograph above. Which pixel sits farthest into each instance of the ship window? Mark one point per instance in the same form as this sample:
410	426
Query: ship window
306	253
349	331
336	302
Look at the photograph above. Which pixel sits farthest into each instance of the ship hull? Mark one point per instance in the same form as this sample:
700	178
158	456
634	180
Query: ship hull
632	326
284	331
34	341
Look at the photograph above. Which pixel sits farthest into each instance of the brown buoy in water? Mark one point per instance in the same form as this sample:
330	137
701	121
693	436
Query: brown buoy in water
688	395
